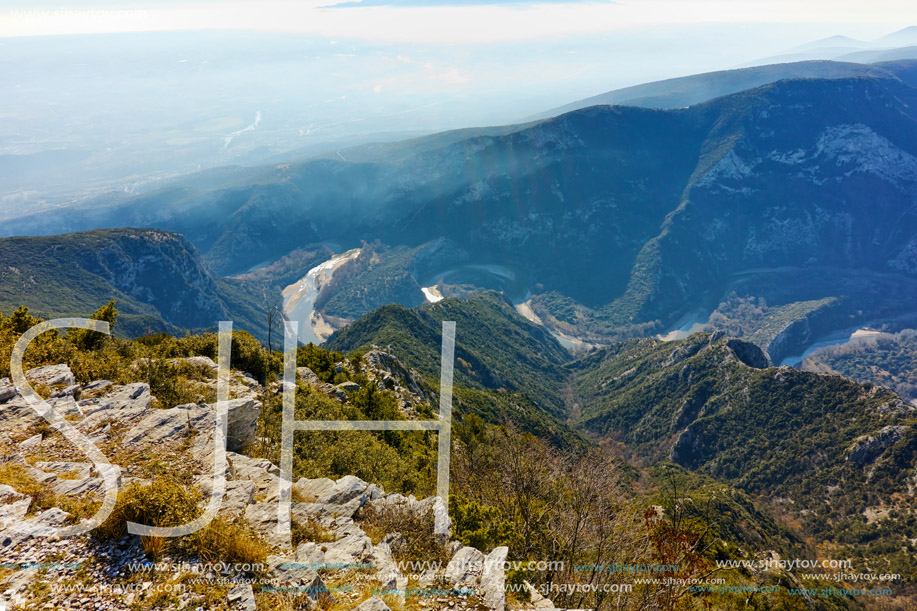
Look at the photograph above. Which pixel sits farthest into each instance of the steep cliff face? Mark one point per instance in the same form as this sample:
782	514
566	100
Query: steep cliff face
158	279
617	216
795	174
162	269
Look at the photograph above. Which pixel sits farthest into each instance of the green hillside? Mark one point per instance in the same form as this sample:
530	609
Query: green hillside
157	278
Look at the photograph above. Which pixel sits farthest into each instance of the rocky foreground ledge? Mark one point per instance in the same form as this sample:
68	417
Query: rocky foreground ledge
334	565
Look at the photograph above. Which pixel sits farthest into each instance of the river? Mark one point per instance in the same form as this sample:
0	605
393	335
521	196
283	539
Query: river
838	337
299	298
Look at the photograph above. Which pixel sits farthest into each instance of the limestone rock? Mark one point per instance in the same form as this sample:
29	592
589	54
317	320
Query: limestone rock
7	390
493	579
41	525
50	375
289	571
310	489
310	554
387	572
243	596
345	489
262	517
868	448
13	506
31	443
465	567
242	423
307	376
163	425
74	470
350	550
373	604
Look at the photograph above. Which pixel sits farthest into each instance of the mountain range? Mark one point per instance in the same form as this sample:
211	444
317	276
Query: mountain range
614	220
774	209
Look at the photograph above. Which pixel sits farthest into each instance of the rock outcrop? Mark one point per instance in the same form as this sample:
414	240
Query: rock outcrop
122	420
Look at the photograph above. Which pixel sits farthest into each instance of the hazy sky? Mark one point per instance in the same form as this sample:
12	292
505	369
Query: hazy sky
218	82
456	21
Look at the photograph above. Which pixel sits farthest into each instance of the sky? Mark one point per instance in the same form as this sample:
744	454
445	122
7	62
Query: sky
102	94
442	21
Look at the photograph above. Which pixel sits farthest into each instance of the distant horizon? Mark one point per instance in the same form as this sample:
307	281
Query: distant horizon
106	95
446	21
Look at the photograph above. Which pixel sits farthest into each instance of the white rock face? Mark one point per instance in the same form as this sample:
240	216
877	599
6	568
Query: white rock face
241	423
262	517
493	579
349	550
345	489
730	168
386	570
50	375
857	148
373	604
311	489
465	568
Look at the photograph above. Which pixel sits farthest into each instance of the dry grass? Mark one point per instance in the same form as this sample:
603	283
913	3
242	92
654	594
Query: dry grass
230	542
165	502
416	527
309	530
153	546
17	476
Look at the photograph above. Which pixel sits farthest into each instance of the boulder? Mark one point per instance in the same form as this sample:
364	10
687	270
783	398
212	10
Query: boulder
7	390
289	572
262	517
345	489
243	597
348	386
201	361
307	376
465	568
349	550
241	423
42	525
310	489
50	375
493	579
373	604
13	506
387	572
